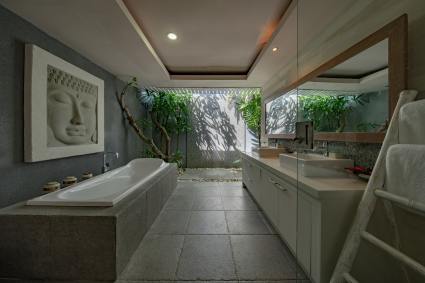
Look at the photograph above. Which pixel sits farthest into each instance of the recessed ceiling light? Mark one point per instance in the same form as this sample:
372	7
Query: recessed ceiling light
172	36
275	49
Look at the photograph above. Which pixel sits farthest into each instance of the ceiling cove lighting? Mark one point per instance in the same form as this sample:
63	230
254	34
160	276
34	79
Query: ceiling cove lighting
275	49
172	36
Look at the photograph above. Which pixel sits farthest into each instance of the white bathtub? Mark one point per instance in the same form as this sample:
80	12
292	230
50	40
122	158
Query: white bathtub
109	188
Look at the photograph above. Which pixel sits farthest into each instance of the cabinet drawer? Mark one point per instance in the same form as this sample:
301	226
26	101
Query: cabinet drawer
268	196
286	197
251	177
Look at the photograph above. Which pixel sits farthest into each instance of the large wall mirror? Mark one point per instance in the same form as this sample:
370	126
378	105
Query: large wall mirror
349	98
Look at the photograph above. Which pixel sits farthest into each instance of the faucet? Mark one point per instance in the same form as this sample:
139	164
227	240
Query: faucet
105	167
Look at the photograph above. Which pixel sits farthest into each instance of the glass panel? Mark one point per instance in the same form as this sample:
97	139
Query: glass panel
349	107
281	114
279	187
352	97
345	111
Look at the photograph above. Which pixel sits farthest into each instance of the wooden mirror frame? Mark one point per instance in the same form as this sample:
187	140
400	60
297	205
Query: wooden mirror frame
396	33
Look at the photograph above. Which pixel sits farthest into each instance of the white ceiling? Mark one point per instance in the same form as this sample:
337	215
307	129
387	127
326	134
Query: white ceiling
366	71
128	38
219	36
366	62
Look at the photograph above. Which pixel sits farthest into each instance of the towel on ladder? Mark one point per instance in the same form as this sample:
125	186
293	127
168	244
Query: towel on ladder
412	123
405	166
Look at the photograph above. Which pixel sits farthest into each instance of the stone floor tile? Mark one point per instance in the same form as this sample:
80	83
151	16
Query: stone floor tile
261	257
267	223
207	222
180	202
206	257
155	259
238	203
207	192
207	203
246	222
233	192
171	222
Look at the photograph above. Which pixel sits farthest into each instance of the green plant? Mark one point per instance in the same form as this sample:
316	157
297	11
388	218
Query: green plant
167	112
328	113
249	105
177	157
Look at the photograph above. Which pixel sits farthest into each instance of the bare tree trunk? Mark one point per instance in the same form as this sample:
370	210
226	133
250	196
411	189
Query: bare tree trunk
135	127
163	133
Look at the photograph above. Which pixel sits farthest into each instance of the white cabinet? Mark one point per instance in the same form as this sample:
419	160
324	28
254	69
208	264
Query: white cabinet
287	214
268	196
251	177
313	227
304	232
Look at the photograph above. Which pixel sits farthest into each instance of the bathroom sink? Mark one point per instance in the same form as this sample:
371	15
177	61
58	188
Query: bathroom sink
315	165
268	152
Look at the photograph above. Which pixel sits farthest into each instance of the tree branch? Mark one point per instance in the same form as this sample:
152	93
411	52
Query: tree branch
163	132
133	124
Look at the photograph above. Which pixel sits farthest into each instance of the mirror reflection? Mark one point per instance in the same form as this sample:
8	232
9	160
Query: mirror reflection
351	97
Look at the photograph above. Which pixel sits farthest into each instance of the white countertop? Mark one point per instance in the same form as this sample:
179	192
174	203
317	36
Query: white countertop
317	187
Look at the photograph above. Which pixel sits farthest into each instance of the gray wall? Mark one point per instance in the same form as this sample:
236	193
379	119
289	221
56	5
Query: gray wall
20	181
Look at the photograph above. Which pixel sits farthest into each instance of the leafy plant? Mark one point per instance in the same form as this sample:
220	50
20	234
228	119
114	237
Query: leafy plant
167	112
327	112
177	157
249	105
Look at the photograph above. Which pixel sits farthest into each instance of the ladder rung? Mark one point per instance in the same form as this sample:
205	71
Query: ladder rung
349	278
394	253
415	205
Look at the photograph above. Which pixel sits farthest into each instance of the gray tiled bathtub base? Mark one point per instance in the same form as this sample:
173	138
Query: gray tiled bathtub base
79	243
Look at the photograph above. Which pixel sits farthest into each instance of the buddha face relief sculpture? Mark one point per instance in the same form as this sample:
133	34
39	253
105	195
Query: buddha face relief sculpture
71	110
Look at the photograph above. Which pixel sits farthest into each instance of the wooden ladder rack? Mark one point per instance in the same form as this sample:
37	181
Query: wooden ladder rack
367	205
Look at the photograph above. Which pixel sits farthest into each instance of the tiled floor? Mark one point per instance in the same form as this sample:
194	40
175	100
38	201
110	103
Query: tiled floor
211	231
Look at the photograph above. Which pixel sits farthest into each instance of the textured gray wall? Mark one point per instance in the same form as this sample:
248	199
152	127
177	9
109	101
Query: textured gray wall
20	181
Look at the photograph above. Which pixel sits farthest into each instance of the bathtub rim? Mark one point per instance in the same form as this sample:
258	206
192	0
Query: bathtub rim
39	201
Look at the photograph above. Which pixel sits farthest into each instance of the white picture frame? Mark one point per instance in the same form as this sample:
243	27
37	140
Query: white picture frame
36	128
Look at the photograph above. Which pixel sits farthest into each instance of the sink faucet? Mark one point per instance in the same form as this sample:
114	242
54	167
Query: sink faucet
105	167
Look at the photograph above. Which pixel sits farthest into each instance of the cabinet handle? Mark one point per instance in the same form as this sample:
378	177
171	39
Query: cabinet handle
277	185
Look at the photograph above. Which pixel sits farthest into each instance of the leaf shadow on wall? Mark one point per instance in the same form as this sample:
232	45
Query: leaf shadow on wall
213	136
282	116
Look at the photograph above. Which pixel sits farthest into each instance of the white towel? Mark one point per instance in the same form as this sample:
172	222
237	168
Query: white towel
412	123
405	174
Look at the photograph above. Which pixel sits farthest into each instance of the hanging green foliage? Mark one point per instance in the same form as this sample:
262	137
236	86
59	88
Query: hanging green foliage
327	112
249	105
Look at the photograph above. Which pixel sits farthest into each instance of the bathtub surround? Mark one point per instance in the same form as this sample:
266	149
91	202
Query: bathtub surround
107	189
23	180
80	243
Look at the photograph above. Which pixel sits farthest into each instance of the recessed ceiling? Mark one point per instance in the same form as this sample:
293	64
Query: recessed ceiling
220	43
214	37
366	62
365	71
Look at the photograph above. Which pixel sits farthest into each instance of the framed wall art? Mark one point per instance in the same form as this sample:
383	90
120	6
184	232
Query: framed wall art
64	108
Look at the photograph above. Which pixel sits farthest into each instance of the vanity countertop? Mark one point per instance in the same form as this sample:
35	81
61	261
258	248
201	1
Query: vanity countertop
317	187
